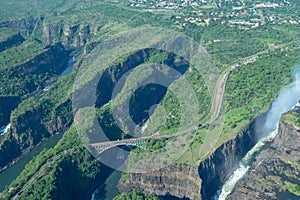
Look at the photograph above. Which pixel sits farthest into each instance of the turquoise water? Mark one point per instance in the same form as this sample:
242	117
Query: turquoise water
11	173
255	12
69	68
108	190
7	176
284	102
287	196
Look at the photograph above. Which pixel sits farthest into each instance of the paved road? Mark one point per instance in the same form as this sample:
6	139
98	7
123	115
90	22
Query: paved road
216	108
218	97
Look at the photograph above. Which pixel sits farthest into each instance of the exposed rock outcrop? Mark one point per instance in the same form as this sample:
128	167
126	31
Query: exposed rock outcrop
32	127
38	121
26	26
35	74
275	167
203	179
178	180
215	169
71	36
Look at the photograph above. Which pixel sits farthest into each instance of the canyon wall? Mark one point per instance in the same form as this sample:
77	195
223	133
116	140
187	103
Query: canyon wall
177	180
199	181
276	168
71	36
215	169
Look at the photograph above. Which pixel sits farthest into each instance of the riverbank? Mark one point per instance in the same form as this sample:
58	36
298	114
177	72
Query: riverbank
4	129
286	100
10	173
275	172
218	167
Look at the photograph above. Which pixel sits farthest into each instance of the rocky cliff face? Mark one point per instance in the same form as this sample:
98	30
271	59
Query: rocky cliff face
42	70
178	180
32	127
203	180
214	170
71	36
112	74
37	122
26	26
276	171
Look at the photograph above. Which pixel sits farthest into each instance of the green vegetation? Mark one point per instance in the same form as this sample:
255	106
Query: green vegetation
293	188
7	40
227	45
5	33
33	75
56	96
54	105
292	118
53	171
251	88
44	25
155	144
19	54
172	106
135	195
108	124
124	176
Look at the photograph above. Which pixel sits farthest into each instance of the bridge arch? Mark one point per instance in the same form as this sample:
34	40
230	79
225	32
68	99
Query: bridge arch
101	147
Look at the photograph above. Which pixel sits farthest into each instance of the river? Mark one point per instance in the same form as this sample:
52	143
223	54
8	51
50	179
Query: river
244	166
285	101
108	190
71	61
11	173
4	129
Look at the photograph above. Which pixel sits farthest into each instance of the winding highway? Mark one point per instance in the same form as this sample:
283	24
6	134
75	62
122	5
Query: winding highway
215	112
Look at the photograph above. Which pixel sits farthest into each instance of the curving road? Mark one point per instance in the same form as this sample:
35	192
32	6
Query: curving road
215	110
218	97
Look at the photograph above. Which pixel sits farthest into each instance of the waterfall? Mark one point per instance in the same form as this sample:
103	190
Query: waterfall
285	101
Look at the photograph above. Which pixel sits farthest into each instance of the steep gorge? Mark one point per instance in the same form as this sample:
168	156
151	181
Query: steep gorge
42	119
18	82
215	169
203	180
33	123
71	36
276	167
25	80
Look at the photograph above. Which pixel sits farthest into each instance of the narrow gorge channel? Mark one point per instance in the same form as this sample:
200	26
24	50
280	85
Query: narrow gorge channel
266	132
11	173
227	165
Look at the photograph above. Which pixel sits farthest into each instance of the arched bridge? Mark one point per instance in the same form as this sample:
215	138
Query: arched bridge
141	142
100	147
103	146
